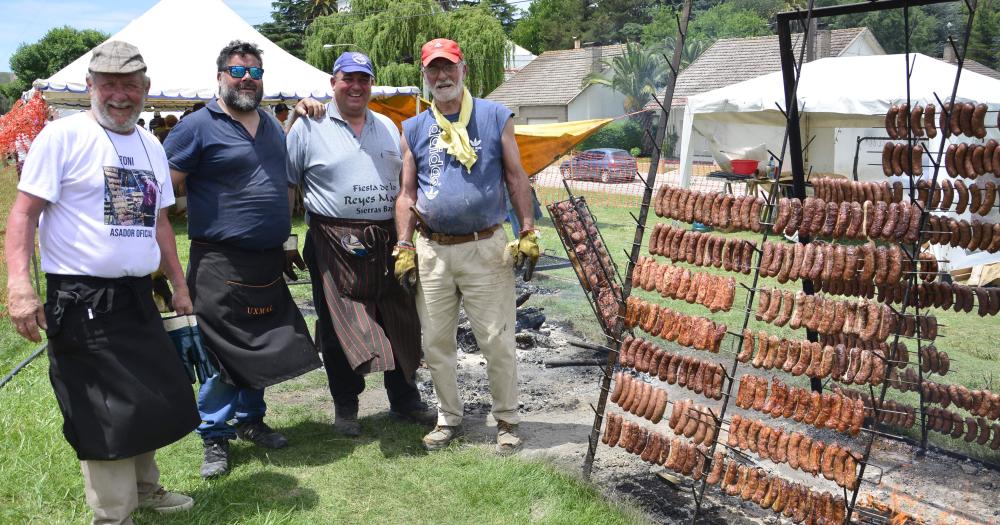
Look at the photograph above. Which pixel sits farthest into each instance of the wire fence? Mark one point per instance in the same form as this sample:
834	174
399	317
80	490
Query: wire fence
617	186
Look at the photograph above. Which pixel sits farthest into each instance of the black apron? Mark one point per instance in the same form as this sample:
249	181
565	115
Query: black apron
119	383
248	319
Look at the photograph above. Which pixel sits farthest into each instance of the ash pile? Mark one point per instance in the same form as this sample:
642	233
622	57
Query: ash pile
530	331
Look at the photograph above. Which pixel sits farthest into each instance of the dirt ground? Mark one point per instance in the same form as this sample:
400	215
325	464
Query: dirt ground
557	417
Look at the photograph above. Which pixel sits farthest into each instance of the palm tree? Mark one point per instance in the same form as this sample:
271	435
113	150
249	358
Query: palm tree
635	74
318	8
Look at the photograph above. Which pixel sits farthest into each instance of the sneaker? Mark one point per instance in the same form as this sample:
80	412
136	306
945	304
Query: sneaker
261	434
166	502
440	437
507	440
418	413
345	420
216	461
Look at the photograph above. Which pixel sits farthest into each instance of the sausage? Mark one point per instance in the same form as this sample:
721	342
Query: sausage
916	160
978	123
989	196
960	154
954	119
903	121
963	196
977	159
902	221
796	217
929	124
890	122
891	221
843	220
996	160
912	231
965	119
969	166
916	118
887	152
758	203
947	195
897	159
950	160
782	214
856	221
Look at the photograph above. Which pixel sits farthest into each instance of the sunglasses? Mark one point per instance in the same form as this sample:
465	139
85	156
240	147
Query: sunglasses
256	73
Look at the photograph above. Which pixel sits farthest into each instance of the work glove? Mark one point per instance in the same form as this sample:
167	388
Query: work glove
187	340
293	258
162	295
405	268
525	252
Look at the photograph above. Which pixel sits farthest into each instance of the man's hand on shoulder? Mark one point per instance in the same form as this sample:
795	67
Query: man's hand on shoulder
310	107
26	310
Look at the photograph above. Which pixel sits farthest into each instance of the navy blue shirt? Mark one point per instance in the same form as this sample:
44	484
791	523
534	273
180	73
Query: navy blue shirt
237	189
450	197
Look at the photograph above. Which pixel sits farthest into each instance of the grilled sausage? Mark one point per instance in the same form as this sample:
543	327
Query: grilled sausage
929	123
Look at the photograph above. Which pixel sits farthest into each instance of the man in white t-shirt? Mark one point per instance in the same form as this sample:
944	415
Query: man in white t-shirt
98	187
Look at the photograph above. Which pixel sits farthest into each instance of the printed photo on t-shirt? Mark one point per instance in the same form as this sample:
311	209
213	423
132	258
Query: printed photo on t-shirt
130	197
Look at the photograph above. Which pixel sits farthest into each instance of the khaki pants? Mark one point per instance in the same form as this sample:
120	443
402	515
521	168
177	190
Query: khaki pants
480	274
114	488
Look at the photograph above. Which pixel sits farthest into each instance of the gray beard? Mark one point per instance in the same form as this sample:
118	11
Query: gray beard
109	123
239	101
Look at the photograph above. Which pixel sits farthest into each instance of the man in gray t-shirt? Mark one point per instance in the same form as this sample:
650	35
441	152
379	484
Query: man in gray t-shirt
348	165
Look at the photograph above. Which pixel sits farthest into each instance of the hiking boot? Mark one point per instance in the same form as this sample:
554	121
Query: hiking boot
440	437
345	420
166	502
261	434
507	440
418	413
216	461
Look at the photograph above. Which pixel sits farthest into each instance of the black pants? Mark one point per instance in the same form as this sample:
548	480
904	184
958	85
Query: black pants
345	384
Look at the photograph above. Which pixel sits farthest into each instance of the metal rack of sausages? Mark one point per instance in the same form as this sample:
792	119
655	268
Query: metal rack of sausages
862	266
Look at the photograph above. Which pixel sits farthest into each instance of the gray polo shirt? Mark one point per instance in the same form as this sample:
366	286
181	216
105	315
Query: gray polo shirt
344	175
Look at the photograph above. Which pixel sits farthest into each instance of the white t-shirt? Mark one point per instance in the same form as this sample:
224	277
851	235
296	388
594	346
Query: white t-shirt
104	192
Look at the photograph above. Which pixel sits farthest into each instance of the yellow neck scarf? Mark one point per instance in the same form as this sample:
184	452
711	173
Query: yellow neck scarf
455	135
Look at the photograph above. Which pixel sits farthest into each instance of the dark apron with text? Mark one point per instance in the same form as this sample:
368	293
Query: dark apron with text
119	383
248	319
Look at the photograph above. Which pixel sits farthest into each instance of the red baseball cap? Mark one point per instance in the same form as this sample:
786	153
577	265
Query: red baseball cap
440	48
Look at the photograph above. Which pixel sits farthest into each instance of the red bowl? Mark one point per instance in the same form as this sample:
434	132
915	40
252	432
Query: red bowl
745	166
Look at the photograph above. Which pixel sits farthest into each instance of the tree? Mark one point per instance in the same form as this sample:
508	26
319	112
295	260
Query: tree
727	21
984	40
636	74
501	9
289	20
391	32
552	24
888	27
54	51
617	21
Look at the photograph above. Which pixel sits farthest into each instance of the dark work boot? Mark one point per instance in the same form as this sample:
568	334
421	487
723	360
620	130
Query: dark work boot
216	461
261	434
345	420
417	412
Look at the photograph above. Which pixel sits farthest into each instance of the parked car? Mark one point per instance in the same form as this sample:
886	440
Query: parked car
604	164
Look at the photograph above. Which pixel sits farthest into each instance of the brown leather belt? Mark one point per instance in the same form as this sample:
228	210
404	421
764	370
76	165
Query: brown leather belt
442	238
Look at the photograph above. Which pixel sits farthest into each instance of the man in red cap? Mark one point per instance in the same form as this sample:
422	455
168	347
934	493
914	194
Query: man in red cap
457	158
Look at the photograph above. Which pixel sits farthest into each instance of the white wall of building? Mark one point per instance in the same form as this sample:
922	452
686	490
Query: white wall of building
596	102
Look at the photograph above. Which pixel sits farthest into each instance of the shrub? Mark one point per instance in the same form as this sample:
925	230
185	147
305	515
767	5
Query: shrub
621	134
635	152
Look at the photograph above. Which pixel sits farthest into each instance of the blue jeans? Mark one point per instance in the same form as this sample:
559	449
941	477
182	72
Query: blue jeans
218	402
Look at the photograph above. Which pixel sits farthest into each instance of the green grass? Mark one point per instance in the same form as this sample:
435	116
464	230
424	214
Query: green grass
382	477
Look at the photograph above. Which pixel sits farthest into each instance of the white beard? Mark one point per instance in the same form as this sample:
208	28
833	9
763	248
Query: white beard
107	122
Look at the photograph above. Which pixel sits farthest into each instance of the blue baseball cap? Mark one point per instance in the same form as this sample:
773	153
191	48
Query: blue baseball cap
353	62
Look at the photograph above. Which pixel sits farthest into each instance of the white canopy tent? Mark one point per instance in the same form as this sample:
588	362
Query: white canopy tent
840	99
182	65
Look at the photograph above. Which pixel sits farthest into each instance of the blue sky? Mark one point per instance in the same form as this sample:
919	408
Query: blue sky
26	21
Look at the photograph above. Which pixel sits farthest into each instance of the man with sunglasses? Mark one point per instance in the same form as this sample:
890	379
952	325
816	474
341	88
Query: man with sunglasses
232	160
348	166
458	156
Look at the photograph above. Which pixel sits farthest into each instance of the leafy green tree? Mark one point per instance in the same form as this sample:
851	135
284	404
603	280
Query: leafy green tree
984	39
391	32
635	74
617	21
501	9
727	21
54	51
552	24
289	20
888	28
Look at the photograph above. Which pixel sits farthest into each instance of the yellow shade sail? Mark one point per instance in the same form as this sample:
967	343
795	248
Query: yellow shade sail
540	144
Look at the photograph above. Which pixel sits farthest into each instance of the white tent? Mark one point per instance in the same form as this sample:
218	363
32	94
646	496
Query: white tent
840	99
180	40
